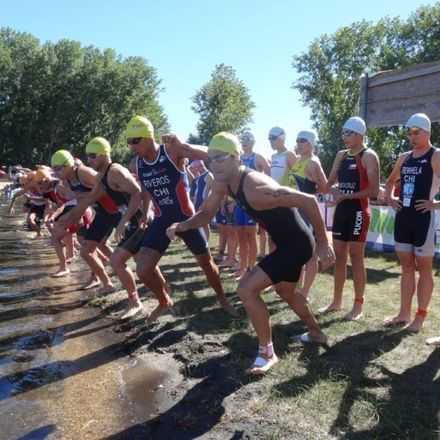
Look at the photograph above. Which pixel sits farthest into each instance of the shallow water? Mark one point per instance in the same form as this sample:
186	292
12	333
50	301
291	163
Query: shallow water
62	372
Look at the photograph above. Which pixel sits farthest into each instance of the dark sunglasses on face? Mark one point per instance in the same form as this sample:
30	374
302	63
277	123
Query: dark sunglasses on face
92	155
348	133
133	141
218	159
273	138
301	141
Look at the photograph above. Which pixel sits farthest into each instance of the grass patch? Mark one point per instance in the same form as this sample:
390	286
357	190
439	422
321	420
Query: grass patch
372	383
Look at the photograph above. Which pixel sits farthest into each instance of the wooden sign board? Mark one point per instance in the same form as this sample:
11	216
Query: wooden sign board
389	98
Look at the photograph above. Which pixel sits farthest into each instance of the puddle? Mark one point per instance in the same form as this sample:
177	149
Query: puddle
145	389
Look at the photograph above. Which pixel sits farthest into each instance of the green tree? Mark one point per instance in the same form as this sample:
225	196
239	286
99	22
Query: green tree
61	95
329	74
223	104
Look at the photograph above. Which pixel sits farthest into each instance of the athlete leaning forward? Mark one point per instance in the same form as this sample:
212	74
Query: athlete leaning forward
160	169
274	206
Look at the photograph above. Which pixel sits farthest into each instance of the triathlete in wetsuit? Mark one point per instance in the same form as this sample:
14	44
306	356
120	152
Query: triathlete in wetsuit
274	206
414	231
160	169
356	169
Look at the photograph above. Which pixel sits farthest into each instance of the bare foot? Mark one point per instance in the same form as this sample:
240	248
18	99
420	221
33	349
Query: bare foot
228	308
91	284
355	313
416	325
158	311
330	308
105	290
132	311
396	321
60	273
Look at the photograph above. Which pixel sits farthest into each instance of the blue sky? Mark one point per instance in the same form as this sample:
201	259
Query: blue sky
184	40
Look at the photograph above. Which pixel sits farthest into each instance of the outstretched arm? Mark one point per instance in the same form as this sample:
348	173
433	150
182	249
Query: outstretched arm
182	150
207	211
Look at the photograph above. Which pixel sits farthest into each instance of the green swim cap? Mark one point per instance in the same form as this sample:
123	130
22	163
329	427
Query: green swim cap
62	158
139	127
226	142
99	146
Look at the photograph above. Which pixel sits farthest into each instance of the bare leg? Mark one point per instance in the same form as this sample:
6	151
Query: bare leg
340	275
91	258
243	250
212	275
232	243
310	270
146	262
118	261
407	289
425	287
357	252
300	306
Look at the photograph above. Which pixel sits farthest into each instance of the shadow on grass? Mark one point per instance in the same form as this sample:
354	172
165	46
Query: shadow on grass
410	410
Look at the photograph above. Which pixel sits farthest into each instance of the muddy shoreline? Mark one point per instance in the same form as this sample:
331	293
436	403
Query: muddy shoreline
79	373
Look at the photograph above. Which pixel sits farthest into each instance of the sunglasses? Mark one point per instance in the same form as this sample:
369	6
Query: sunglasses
413	131
218	159
92	155
134	141
348	133
301	141
273	138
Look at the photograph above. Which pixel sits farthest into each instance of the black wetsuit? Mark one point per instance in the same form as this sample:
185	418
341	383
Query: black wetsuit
414	231
352	216
293	239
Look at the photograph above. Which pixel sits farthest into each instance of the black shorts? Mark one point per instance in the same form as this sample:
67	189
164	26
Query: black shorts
102	225
65	210
155	237
286	262
351	222
38	210
414	232
132	240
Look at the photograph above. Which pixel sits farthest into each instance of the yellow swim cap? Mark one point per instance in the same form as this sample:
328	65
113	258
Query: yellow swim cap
62	158
139	127
100	146
226	142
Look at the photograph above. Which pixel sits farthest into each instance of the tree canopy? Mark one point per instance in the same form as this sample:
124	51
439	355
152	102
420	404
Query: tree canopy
223	104
60	95
329	74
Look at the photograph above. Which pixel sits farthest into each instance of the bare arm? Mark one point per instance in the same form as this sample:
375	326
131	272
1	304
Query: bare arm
333	176
318	175
181	150
14	198
262	164
266	194
207	211
120	179
429	205
393	177
87	200
88	176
